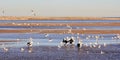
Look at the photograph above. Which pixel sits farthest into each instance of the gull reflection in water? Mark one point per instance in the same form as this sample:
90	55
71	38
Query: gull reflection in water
30	49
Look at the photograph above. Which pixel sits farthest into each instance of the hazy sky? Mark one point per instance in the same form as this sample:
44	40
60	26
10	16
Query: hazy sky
96	8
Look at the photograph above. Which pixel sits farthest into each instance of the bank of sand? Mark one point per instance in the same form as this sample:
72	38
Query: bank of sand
69	30
55	18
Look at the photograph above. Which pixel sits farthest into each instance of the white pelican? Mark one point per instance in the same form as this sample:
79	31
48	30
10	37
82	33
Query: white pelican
65	41
72	40
30	43
80	44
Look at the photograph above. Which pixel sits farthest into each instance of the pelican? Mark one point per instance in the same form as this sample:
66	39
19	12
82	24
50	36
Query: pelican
71	40
80	44
29	44
65	41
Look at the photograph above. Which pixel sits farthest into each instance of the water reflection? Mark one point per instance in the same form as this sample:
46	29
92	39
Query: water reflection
30	49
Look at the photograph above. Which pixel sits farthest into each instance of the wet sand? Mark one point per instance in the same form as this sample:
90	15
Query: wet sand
81	31
9	40
111	52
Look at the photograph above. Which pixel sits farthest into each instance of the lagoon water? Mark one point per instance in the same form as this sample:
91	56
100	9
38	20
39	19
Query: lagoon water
55	39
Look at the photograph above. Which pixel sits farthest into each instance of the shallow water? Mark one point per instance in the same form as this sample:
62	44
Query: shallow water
55	21
62	27
55	39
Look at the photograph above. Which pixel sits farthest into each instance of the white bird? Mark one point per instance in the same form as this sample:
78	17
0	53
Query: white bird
72	40
94	45
50	40
60	44
5	49
80	44
99	46
90	45
105	44
46	35
22	49
102	52
97	37
30	43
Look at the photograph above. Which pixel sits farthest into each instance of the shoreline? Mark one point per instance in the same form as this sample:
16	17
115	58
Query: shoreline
55	18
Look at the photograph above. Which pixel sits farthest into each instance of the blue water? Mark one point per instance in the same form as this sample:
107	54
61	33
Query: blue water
55	21
62	27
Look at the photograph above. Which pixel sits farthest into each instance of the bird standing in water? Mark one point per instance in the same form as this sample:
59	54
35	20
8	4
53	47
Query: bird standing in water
71	40
80	44
29	44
